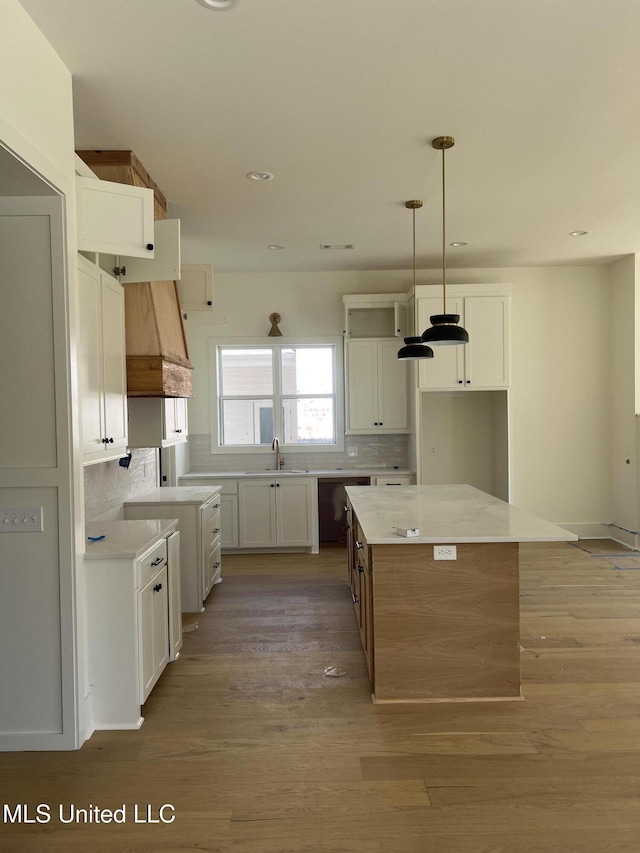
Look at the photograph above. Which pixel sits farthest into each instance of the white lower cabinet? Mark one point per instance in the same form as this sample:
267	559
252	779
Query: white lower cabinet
198	510
133	613
276	512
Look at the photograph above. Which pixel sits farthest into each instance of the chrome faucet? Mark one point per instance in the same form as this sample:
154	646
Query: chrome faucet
275	445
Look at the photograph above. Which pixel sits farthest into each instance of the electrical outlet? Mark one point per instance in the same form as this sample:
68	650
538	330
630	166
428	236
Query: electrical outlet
20	519
445	552
352	451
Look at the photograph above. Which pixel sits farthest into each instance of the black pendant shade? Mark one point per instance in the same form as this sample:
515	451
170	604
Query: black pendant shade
414	349
445	331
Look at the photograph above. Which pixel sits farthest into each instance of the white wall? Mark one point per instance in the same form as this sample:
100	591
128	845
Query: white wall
561	360
36	128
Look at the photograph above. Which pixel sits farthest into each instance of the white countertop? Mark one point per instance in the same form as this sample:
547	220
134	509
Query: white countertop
125	539
446	514
327	473
176	494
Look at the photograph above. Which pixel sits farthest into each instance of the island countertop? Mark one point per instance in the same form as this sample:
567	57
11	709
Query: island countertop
446	514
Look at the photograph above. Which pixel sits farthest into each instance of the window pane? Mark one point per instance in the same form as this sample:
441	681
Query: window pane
246	372
307	370
247	422
309	421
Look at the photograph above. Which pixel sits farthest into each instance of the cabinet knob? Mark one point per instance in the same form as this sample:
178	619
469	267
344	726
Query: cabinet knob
459	381
110	441
157	587
468	382
209	302
150	246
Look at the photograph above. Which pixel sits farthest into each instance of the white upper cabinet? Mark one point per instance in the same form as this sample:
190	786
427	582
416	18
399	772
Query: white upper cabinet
483	363
115	219
195	287
101	364
165	265
377	399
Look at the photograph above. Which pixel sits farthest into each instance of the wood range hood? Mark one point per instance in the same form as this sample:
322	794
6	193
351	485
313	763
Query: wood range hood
157	356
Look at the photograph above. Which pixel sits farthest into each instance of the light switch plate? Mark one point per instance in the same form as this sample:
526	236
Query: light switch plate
445	552
21	519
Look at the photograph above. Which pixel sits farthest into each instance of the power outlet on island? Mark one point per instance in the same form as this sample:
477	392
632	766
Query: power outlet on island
445	552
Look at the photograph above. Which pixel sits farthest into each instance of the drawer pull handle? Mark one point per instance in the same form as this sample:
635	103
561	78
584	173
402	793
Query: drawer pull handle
215	565
360	570
157	587
354	597
216	530
358	545
216	506
157	561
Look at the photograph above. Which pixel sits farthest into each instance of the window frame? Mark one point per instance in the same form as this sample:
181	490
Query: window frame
215	344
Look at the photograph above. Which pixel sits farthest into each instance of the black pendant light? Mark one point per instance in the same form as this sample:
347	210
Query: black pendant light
414	348
444	329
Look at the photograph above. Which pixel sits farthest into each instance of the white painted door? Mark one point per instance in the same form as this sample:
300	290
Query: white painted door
392	387
115	219
487	353
114	363
256	513
362	385
90	358
293	502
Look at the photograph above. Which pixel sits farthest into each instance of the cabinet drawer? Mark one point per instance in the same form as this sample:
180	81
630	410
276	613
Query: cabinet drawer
213	527
152	563
392	481
215	565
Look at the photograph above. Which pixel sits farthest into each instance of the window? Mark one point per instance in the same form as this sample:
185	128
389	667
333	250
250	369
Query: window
284	390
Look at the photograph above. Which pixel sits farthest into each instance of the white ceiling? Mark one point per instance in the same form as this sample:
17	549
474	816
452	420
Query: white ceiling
340	100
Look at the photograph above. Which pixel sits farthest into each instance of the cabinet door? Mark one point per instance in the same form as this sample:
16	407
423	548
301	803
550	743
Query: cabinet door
446	368
175	603
487	353
114	219
256	513
362	385
165	264
195	287
392	388
90	358
146	607
160	622
294	502
114	361
181	424
229	521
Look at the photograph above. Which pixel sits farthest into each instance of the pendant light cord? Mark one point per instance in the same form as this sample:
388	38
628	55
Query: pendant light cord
444	243
415	301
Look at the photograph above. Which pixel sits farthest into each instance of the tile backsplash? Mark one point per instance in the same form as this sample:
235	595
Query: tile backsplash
107	485
373	451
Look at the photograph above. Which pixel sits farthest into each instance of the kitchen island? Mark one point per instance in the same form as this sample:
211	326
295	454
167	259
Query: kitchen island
438	612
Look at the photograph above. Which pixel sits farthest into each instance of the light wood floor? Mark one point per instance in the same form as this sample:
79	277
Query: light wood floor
260	752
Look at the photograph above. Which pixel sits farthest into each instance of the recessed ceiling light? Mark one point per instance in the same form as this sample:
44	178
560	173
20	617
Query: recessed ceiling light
457	243
216	4
578	233
274	246
260	176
